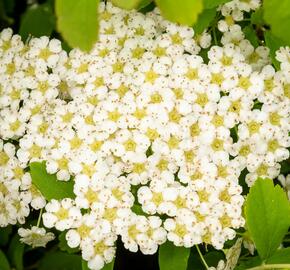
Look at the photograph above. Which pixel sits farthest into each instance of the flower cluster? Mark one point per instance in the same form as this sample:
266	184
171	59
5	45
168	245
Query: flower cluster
154	138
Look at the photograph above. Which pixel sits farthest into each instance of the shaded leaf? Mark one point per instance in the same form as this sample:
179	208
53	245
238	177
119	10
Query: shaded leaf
4	264
249	263
77	21
273	43
60	261
257	17
15	252
183	12
48	185
267	216
4	235
172	257
250	34
63	246
204	20
37	21
281	256
144	3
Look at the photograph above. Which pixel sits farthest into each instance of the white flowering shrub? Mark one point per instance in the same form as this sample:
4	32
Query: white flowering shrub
152	134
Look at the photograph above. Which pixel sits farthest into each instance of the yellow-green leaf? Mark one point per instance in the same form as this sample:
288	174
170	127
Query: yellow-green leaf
267	216
183	12
172	257
48	185
77	21
126	4
277	15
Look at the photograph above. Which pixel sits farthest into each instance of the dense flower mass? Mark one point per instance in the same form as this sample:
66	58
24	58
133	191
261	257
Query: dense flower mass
154	137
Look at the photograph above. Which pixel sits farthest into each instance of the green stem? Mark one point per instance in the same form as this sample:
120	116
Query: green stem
201	257
214	36
271	266
39	217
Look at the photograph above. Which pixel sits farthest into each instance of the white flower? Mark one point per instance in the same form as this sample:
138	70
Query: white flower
60	214
35	237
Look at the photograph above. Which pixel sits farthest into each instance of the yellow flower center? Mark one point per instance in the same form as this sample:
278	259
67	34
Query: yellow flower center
217	145
62	213
192	74
151	76
130	145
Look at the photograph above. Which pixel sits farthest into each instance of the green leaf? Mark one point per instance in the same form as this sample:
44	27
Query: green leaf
249	263
37	21
183	12
9	6
126	4
60	261
144	4
48	185
211	257
85	265
109	266
251	35
285	166
274	43
63	246
277	15
77	21
172	257
4	235
280	256
257	17
15	252
267	216
213	3
4	264
204	20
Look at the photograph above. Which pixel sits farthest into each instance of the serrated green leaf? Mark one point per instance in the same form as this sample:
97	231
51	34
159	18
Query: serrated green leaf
213	3
251	35
4	264
126	4
281	256
273	43
267	216
204	20
48	185
37	21
172	257
277	15
15	252
63	246
60	261
183	12
77	21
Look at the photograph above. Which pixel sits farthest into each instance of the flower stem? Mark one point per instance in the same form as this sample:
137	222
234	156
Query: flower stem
201	257
39	217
